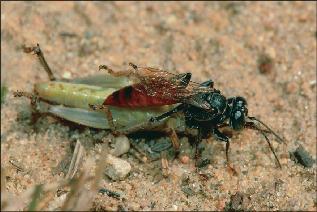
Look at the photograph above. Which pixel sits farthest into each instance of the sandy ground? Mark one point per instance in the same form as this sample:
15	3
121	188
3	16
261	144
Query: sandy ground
220	41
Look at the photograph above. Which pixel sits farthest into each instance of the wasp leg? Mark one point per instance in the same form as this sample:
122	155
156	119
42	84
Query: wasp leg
37	50
198	139
253	126
222	125
248	125
167	114
222	137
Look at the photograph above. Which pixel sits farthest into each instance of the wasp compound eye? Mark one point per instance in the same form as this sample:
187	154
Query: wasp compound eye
237	115
237	120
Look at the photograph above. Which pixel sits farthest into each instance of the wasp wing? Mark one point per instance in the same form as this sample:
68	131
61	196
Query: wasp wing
177	87
104	80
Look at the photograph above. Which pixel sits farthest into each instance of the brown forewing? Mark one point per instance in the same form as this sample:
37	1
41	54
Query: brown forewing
166	85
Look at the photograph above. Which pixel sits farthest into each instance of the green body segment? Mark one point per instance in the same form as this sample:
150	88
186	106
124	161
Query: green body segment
122	118
70	101
72	95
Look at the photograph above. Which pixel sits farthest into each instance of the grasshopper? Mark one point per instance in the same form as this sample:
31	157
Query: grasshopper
70	100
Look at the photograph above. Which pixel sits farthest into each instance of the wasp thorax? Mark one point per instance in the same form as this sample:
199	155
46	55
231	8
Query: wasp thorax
217	101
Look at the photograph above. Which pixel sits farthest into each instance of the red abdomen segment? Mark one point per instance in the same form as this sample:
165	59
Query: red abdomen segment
135	96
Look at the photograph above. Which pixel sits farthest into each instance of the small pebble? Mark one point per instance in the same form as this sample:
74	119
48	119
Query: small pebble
271	52
265	64
4	91
187	190
117	169
185	148
109	193
161	145
301	156
291	87
121	146
67	75
312	83
184	159
203	162
238	202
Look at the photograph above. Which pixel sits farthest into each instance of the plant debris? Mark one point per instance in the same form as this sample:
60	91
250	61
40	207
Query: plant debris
301	156
109	193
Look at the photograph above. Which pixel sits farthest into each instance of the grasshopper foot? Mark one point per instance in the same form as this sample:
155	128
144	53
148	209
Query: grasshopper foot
135	67
105	67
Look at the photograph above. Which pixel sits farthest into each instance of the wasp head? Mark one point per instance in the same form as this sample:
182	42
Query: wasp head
238	113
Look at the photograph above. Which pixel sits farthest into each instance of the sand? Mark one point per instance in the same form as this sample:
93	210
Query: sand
264	51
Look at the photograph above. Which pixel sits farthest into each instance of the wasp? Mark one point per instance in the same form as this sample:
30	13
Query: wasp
143	98
203	106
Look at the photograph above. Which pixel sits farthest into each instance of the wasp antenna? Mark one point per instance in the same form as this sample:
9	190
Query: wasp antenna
270	145
269	129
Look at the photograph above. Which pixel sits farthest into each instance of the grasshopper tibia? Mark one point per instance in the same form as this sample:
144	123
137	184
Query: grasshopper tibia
108	116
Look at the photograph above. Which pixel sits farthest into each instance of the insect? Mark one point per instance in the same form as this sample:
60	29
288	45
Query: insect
203	107
70	99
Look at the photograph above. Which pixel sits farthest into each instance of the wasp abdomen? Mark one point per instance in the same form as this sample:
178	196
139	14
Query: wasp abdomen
135	96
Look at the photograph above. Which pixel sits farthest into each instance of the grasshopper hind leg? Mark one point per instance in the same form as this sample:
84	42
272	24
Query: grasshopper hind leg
127	73
108	117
